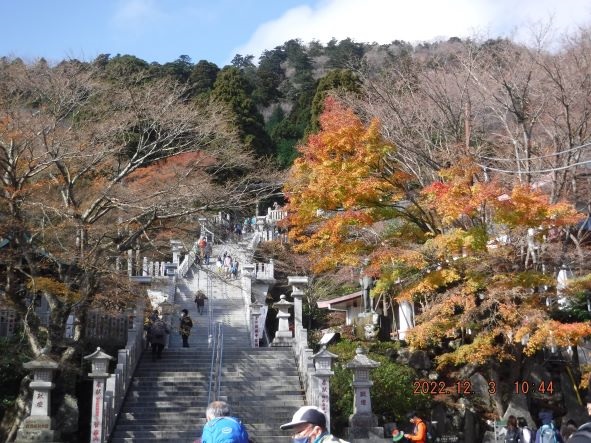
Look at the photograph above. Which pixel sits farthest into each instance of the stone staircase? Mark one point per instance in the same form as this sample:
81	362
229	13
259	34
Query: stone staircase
167	399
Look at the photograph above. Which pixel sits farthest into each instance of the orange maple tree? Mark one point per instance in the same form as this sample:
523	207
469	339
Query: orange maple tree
459	248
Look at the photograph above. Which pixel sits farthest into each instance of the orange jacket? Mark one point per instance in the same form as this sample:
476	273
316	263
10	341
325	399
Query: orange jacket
420	434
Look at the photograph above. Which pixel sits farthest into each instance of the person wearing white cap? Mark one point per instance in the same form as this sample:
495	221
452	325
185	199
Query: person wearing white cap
309	426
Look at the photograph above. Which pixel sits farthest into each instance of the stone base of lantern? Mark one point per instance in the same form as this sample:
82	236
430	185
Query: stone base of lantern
282	339
363	420
365	435
37	429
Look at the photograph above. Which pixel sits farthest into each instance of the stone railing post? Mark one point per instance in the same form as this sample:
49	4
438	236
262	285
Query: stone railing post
255	332
176	247
38	426
170	272
100	372
298	285
129	262
271	269
247	275
362	421
323	371
283	336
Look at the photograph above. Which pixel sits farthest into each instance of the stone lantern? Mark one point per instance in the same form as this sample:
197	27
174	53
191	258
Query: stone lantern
37	427
362	419
283	336
99	373
323	365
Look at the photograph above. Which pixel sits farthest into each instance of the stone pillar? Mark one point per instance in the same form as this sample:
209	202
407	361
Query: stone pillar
145	267
405	318
38	426
170	272
366	282
261	221
255	333
283	336
362	422
248	274
323	371
129	262
100	372
298	285
176	246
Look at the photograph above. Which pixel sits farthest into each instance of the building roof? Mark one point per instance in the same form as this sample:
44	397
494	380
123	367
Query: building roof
341	299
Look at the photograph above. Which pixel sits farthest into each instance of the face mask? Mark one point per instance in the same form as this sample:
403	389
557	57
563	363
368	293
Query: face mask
300	439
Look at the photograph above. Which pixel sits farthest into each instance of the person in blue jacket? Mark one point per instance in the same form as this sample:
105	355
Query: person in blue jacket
221	427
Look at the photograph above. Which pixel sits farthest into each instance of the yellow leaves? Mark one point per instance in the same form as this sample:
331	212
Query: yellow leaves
585	376
430	283
430	333
526	279
551	333
479	352
464	194
530	208
337	174
55	288
461	194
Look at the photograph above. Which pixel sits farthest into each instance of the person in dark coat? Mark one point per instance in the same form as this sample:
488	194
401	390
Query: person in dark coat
158	331
185	327
200	298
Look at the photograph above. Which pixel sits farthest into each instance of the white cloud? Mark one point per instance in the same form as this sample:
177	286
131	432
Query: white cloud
383	21
136	16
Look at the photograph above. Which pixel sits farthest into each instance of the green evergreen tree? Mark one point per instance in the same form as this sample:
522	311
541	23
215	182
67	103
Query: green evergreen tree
125	66
339	80
180	69
270	75
203	77
232	89
343	53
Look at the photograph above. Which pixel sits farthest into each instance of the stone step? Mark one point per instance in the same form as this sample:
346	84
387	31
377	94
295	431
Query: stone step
168	397
263	439
168	392
190	438
187	429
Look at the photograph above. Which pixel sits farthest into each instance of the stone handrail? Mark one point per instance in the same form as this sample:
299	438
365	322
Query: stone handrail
188	261
118	382
265	271
275	215
254	242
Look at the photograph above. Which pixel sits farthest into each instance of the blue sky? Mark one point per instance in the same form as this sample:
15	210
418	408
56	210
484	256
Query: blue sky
215	30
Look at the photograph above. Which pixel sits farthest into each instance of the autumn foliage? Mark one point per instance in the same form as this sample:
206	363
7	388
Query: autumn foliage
466	248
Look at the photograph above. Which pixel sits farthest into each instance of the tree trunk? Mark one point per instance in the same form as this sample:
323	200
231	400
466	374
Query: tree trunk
17	413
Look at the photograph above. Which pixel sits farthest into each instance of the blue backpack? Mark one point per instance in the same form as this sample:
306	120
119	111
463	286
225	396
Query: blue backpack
224	430
547	434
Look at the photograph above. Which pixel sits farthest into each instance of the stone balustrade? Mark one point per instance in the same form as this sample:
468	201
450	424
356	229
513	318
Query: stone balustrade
188	260
265	271
275	215
118	382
